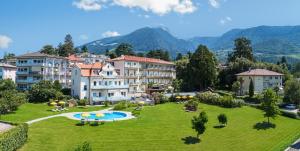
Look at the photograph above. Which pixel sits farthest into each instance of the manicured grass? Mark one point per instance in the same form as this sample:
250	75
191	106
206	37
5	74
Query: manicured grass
165	127
31	111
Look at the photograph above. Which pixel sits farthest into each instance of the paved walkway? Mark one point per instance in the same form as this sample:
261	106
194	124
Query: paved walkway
61	115
295	146
4	127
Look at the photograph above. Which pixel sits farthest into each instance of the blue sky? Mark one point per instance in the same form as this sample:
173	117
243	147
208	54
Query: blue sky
27	25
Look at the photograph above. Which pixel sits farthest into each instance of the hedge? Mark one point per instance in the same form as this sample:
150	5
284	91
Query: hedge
14	138
216	99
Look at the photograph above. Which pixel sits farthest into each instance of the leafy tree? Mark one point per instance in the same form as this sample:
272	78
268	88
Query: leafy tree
84	49
236	87
179	56
158	54
182	73
43	92
124	49
7	84
243	49
67	48
292	91
203	67
269	104
57	86
8	56
176	84
10	100
251	88
48	49
198	123
222	119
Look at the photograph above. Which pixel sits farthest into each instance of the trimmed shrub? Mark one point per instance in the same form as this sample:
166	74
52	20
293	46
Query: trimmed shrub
215	99
256	99
192	105
82	102
159	98
14	138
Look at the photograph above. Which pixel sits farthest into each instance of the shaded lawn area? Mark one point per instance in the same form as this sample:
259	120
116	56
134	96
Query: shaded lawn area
167	127
29	111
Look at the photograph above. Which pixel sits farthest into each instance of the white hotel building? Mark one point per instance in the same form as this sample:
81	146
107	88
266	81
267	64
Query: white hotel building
98	82
140	71
34	67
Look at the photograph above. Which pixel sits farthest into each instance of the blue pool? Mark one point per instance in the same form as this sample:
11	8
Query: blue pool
107	116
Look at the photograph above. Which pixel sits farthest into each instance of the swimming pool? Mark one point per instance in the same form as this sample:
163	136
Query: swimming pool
107	116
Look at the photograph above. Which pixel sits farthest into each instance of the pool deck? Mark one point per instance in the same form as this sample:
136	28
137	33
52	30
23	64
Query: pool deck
71	116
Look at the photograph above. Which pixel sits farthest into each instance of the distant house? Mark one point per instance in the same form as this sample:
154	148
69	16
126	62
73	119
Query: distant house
262	79
8	71
98	83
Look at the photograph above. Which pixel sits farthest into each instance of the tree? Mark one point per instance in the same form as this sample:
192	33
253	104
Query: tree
292	91
182	73
7	84
236	87
198	123
251	88
222	119
176	84
203	67
67	48
43	92
10	100
158	54
57	86
84	49
269	104
48	49
124	49
179	56
8	56
243	49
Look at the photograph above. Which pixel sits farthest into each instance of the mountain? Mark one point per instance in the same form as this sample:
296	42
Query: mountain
143	40
269	42
265	39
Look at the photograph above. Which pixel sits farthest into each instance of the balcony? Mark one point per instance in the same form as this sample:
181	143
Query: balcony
114	98
110	87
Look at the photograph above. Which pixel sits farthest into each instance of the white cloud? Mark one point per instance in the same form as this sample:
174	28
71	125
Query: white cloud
4	41
83	37
144	16
225	20
88	5
160	7
110	34
214	3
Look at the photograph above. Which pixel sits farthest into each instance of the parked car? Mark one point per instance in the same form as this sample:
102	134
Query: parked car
291	107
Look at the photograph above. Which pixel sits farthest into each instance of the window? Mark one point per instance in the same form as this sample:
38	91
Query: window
94	94
95	83
105	83
123	93
100	83
100	94
110	94
110	83
73	82
85	87
119	82
116	82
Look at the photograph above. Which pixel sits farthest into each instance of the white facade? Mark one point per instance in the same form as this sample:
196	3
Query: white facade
34	67
98	83
8	72
140	71
262	80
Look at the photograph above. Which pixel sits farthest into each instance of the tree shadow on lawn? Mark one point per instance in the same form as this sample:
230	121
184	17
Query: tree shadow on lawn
264	126
190	140
219	126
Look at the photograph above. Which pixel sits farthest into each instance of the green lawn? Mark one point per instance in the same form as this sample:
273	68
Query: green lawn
31	111
164	128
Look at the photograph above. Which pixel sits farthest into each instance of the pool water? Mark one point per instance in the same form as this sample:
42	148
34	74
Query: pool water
107	116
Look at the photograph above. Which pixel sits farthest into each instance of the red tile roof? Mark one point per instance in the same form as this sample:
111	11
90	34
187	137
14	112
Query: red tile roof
259	72
86	69
142	59
74	58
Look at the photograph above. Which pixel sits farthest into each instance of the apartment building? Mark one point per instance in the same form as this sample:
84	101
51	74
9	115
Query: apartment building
8	71
34	67
87	58
262	79
138	72
98	82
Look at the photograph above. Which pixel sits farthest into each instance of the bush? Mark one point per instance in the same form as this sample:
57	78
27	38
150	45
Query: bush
84	147
120	106
215	99
192	105
136	113
82	102
222	119
10	100
159	98
256	99
14	138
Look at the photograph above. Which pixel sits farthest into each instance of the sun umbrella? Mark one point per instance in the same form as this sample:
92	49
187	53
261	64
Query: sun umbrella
61	102
184	97
178	97
141	102
85	114
99	114
191	97
53	103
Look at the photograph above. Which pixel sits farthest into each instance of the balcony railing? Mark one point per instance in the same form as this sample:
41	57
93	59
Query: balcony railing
113	98
110	87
